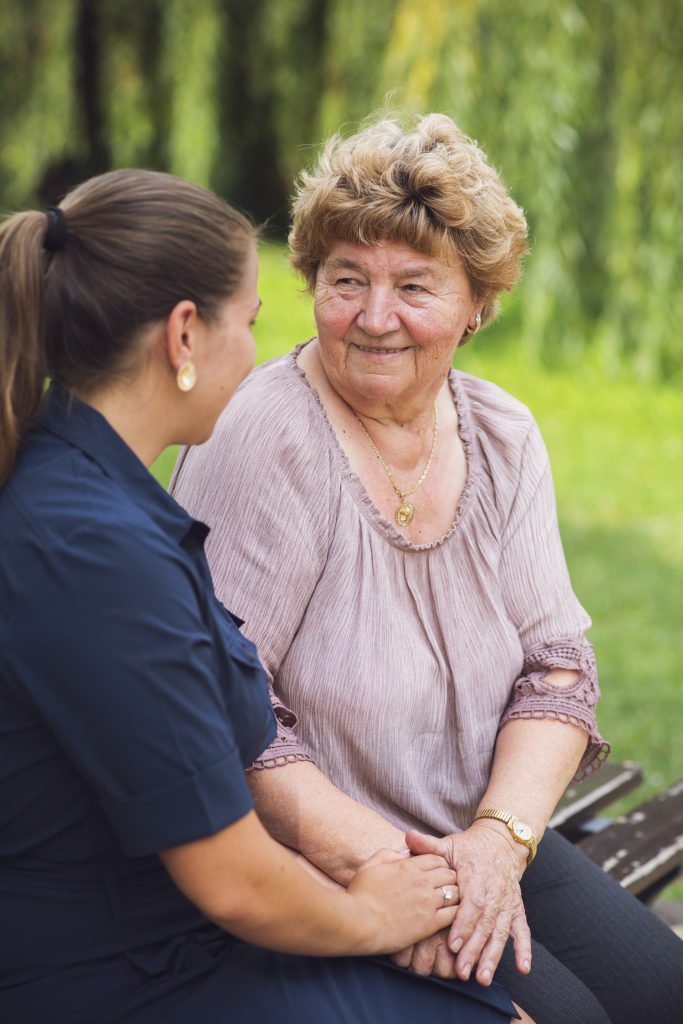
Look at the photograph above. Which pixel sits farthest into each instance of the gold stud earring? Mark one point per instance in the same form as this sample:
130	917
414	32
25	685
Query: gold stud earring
471	331
186	377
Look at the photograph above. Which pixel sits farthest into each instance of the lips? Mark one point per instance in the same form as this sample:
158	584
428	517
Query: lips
380	351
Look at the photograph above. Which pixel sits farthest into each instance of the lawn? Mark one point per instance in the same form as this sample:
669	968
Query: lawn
617	455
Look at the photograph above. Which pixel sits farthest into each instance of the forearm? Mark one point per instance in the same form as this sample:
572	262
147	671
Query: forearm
252	887
255	889
302	809
534	761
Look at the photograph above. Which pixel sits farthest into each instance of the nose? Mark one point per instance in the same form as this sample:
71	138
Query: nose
378	315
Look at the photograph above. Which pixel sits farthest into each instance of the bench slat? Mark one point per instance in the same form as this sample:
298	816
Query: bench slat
582	800
644	846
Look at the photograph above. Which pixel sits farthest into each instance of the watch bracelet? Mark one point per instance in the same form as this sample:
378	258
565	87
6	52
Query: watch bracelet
508	819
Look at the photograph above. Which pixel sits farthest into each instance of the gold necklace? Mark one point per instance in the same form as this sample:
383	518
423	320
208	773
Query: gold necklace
405	511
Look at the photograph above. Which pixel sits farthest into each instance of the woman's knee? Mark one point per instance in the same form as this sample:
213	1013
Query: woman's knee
551	993
634	968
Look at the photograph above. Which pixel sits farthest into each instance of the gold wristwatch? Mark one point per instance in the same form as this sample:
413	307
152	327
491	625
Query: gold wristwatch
518	829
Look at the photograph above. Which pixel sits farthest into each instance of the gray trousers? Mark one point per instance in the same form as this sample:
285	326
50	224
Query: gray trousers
599	955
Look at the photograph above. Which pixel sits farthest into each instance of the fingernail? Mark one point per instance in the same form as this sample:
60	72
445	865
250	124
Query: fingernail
526	965
456	945
466	972
485	976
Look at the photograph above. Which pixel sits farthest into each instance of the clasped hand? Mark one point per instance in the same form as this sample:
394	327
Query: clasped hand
488	869
403	898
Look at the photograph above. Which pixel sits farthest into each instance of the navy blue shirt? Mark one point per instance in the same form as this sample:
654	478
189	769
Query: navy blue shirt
130	705
129	700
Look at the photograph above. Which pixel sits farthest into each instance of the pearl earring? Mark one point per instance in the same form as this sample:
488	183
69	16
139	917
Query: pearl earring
186	377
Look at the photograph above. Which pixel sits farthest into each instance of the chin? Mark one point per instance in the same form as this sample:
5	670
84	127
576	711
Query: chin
199	434
379	385
204	436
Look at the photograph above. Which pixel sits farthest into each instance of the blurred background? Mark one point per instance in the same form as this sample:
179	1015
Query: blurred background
579	104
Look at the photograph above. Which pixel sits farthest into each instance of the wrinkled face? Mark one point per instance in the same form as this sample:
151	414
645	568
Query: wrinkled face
389	321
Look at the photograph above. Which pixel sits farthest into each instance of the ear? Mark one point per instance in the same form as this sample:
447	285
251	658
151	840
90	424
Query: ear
180	333
474	319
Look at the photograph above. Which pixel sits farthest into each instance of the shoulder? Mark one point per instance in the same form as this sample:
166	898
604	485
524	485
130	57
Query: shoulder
494	411
271	437
503	436
72	531
69	494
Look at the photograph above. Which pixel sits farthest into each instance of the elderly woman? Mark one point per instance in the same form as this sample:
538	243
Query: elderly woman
386	527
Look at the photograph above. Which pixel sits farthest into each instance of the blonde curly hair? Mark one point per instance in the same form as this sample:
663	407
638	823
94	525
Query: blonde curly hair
427	185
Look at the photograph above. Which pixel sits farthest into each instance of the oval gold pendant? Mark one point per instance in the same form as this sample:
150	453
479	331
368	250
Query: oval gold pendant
404	513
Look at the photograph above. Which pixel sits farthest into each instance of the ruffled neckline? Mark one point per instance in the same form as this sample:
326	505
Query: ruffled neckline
355	485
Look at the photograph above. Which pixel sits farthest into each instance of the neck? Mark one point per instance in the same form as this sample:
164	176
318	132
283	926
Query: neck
137	416
415	422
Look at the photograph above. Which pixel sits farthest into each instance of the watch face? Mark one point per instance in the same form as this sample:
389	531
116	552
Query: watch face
522	831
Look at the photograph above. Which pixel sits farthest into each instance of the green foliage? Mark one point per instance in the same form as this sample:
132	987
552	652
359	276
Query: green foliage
38	111
294	35
192	38
357	37
578	102
125	91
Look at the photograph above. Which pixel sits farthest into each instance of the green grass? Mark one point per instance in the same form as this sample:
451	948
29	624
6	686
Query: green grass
617	454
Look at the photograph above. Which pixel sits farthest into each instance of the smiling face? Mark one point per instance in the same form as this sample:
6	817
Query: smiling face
389	321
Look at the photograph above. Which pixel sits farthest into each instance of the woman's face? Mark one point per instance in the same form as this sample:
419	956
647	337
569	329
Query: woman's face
227	350
389	321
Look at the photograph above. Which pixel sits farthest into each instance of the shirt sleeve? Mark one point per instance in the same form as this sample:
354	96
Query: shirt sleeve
263	485
122	667
540	601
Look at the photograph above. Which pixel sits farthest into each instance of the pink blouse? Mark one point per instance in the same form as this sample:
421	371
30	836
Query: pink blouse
399	661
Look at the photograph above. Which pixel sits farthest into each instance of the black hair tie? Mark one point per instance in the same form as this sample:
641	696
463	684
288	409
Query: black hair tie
55	235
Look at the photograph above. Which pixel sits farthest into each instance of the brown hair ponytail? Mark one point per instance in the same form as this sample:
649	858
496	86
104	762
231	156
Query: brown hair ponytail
132	244
22	342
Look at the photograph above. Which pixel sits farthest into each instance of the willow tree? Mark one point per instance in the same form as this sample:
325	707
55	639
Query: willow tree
39	113
578	102
643	220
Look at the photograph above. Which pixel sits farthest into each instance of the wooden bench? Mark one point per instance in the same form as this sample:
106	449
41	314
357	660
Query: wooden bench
643	849
575	814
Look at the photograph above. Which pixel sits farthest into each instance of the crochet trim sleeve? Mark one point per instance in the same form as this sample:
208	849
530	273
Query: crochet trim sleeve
285	748
534	697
